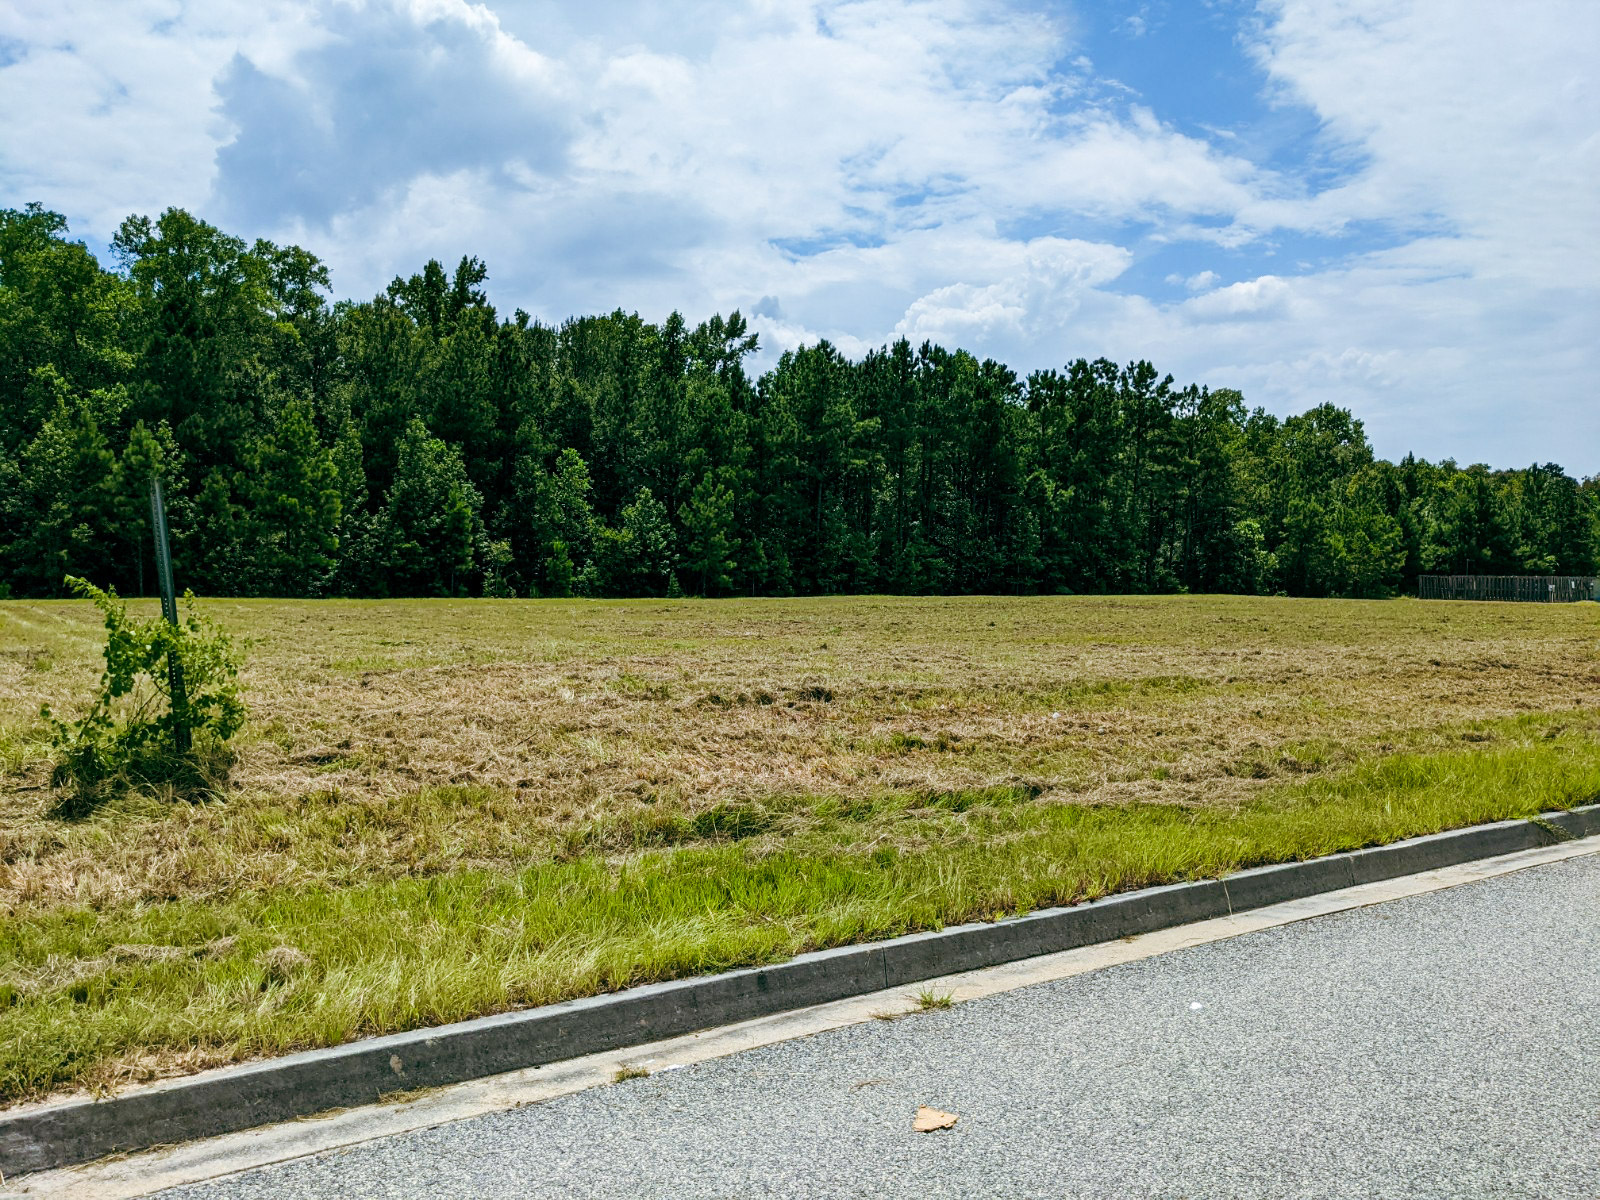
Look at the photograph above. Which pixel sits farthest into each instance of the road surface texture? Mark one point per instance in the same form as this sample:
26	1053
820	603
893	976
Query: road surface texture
1444	1045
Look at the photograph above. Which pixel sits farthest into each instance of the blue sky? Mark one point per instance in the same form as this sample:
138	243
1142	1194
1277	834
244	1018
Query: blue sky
1391	205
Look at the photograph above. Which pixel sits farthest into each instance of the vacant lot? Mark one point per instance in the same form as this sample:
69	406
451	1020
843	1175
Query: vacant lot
445	808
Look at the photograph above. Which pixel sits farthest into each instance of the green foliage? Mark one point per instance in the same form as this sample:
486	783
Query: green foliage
145	457
496	558
294	507
1363	549
59	311
558	571
128	733
555	521
637	559
708	522
385	447
432	515
62	497
212	539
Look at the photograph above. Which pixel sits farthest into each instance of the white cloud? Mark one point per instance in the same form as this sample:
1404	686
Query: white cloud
1039	290
1267	296
866	120
1479	118
385	93
110	107
860	169
1478	125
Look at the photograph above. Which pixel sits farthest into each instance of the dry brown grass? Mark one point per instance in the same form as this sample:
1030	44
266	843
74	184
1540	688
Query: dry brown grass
415	737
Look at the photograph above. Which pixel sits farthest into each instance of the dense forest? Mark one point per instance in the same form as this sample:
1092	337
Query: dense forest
417	444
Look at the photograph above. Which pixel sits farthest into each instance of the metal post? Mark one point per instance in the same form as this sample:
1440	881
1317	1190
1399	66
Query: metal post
169	609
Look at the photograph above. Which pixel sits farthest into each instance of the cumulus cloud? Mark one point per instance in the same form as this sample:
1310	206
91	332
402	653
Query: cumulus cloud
383	93
1040	290
110	107
864	169
1260	298
1479	120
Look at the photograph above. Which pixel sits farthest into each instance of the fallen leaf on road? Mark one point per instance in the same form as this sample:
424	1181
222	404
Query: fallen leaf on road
929	1119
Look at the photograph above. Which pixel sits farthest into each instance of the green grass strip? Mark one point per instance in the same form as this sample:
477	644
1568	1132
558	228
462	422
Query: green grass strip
85	997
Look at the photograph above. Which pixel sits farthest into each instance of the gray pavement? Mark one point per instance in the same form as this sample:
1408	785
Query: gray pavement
1445	1045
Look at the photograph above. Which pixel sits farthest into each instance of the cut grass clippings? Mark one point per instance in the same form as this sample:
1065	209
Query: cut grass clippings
451	807
402	739
93	999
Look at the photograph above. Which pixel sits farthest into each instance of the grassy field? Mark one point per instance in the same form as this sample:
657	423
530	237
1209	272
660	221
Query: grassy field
442	809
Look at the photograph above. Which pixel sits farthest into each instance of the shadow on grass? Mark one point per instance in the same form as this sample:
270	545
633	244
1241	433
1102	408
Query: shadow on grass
86	781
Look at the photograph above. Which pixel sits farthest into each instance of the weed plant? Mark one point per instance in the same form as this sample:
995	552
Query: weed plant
127	737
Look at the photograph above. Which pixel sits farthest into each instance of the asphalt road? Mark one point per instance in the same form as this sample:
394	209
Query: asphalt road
1443	1045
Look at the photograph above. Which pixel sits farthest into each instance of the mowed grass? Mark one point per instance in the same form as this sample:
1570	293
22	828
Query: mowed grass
443	809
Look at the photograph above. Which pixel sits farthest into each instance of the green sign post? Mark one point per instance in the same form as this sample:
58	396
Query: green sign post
169	609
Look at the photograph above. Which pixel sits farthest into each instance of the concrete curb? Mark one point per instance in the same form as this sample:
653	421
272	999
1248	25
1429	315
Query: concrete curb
47	1136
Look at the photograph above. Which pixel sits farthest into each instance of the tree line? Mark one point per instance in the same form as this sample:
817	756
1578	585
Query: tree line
418	444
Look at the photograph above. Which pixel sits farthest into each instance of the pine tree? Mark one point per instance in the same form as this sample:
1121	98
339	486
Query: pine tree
708	520
637	559
294	507
363	534
416	443
552	506
433	519
213	558
558	570
63	503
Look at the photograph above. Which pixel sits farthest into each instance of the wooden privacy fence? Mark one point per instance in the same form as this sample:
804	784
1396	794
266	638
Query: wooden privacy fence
1544	589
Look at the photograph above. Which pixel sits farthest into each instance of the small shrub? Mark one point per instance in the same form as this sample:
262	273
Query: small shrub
127	736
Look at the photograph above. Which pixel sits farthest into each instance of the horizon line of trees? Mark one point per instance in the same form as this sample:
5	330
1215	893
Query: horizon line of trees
417	444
